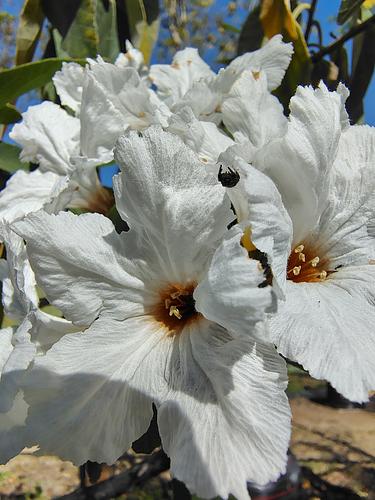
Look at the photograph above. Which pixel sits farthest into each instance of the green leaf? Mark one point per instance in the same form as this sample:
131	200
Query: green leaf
106	21
144	27
21	79
82	38
9	114
9	158
347	9
29	30
363	48
251	34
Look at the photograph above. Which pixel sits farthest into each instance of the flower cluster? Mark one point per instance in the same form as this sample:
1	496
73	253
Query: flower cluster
250	235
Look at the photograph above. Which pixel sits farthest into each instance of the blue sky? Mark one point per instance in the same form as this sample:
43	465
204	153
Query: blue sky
325	14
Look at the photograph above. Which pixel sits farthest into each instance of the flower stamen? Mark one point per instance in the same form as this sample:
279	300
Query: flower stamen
304	265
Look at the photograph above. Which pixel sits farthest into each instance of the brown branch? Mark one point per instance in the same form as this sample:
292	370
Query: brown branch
152	466
340	41
310	19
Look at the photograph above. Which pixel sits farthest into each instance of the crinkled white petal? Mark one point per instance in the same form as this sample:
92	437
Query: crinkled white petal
251	110
133	58
19	292
204	99
6	346
272	59
28	192
49	136
81	265
23	352
114	365
202	137
165	191
226	420
12	438
46	330
69	84
235	293
300	162
174	80
258	206
101	123
328	328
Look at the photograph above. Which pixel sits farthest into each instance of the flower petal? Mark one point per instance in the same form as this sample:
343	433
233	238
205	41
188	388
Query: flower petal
272	59
12	439
327	327
23	352
19	292
251	110
27	192
48	136
114	365
204	138
234	292
299	162
80	263
227	420
164	191
174	80
69	83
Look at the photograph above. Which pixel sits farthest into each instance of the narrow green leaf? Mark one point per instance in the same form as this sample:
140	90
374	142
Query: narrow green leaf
251	35
9	114
82	38
29	30
106	21
9	158
361	74
143	25
21	79
347	9
58	39
230	27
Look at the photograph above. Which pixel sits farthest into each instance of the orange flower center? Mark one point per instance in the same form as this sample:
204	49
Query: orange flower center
176	307
306	265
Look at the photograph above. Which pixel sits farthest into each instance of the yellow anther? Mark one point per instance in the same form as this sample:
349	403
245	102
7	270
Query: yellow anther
301	257
173	311
175	295
299	249
256	75
142	114
323	275
315	261
296	270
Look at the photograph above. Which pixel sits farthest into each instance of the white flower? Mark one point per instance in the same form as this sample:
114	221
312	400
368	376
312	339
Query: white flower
35	331
205	93
222	412
324	171
132	58
205	138
251	114
50	137
174	80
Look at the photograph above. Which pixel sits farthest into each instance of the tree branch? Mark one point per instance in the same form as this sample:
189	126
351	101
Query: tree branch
340	41
152	466
310	19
